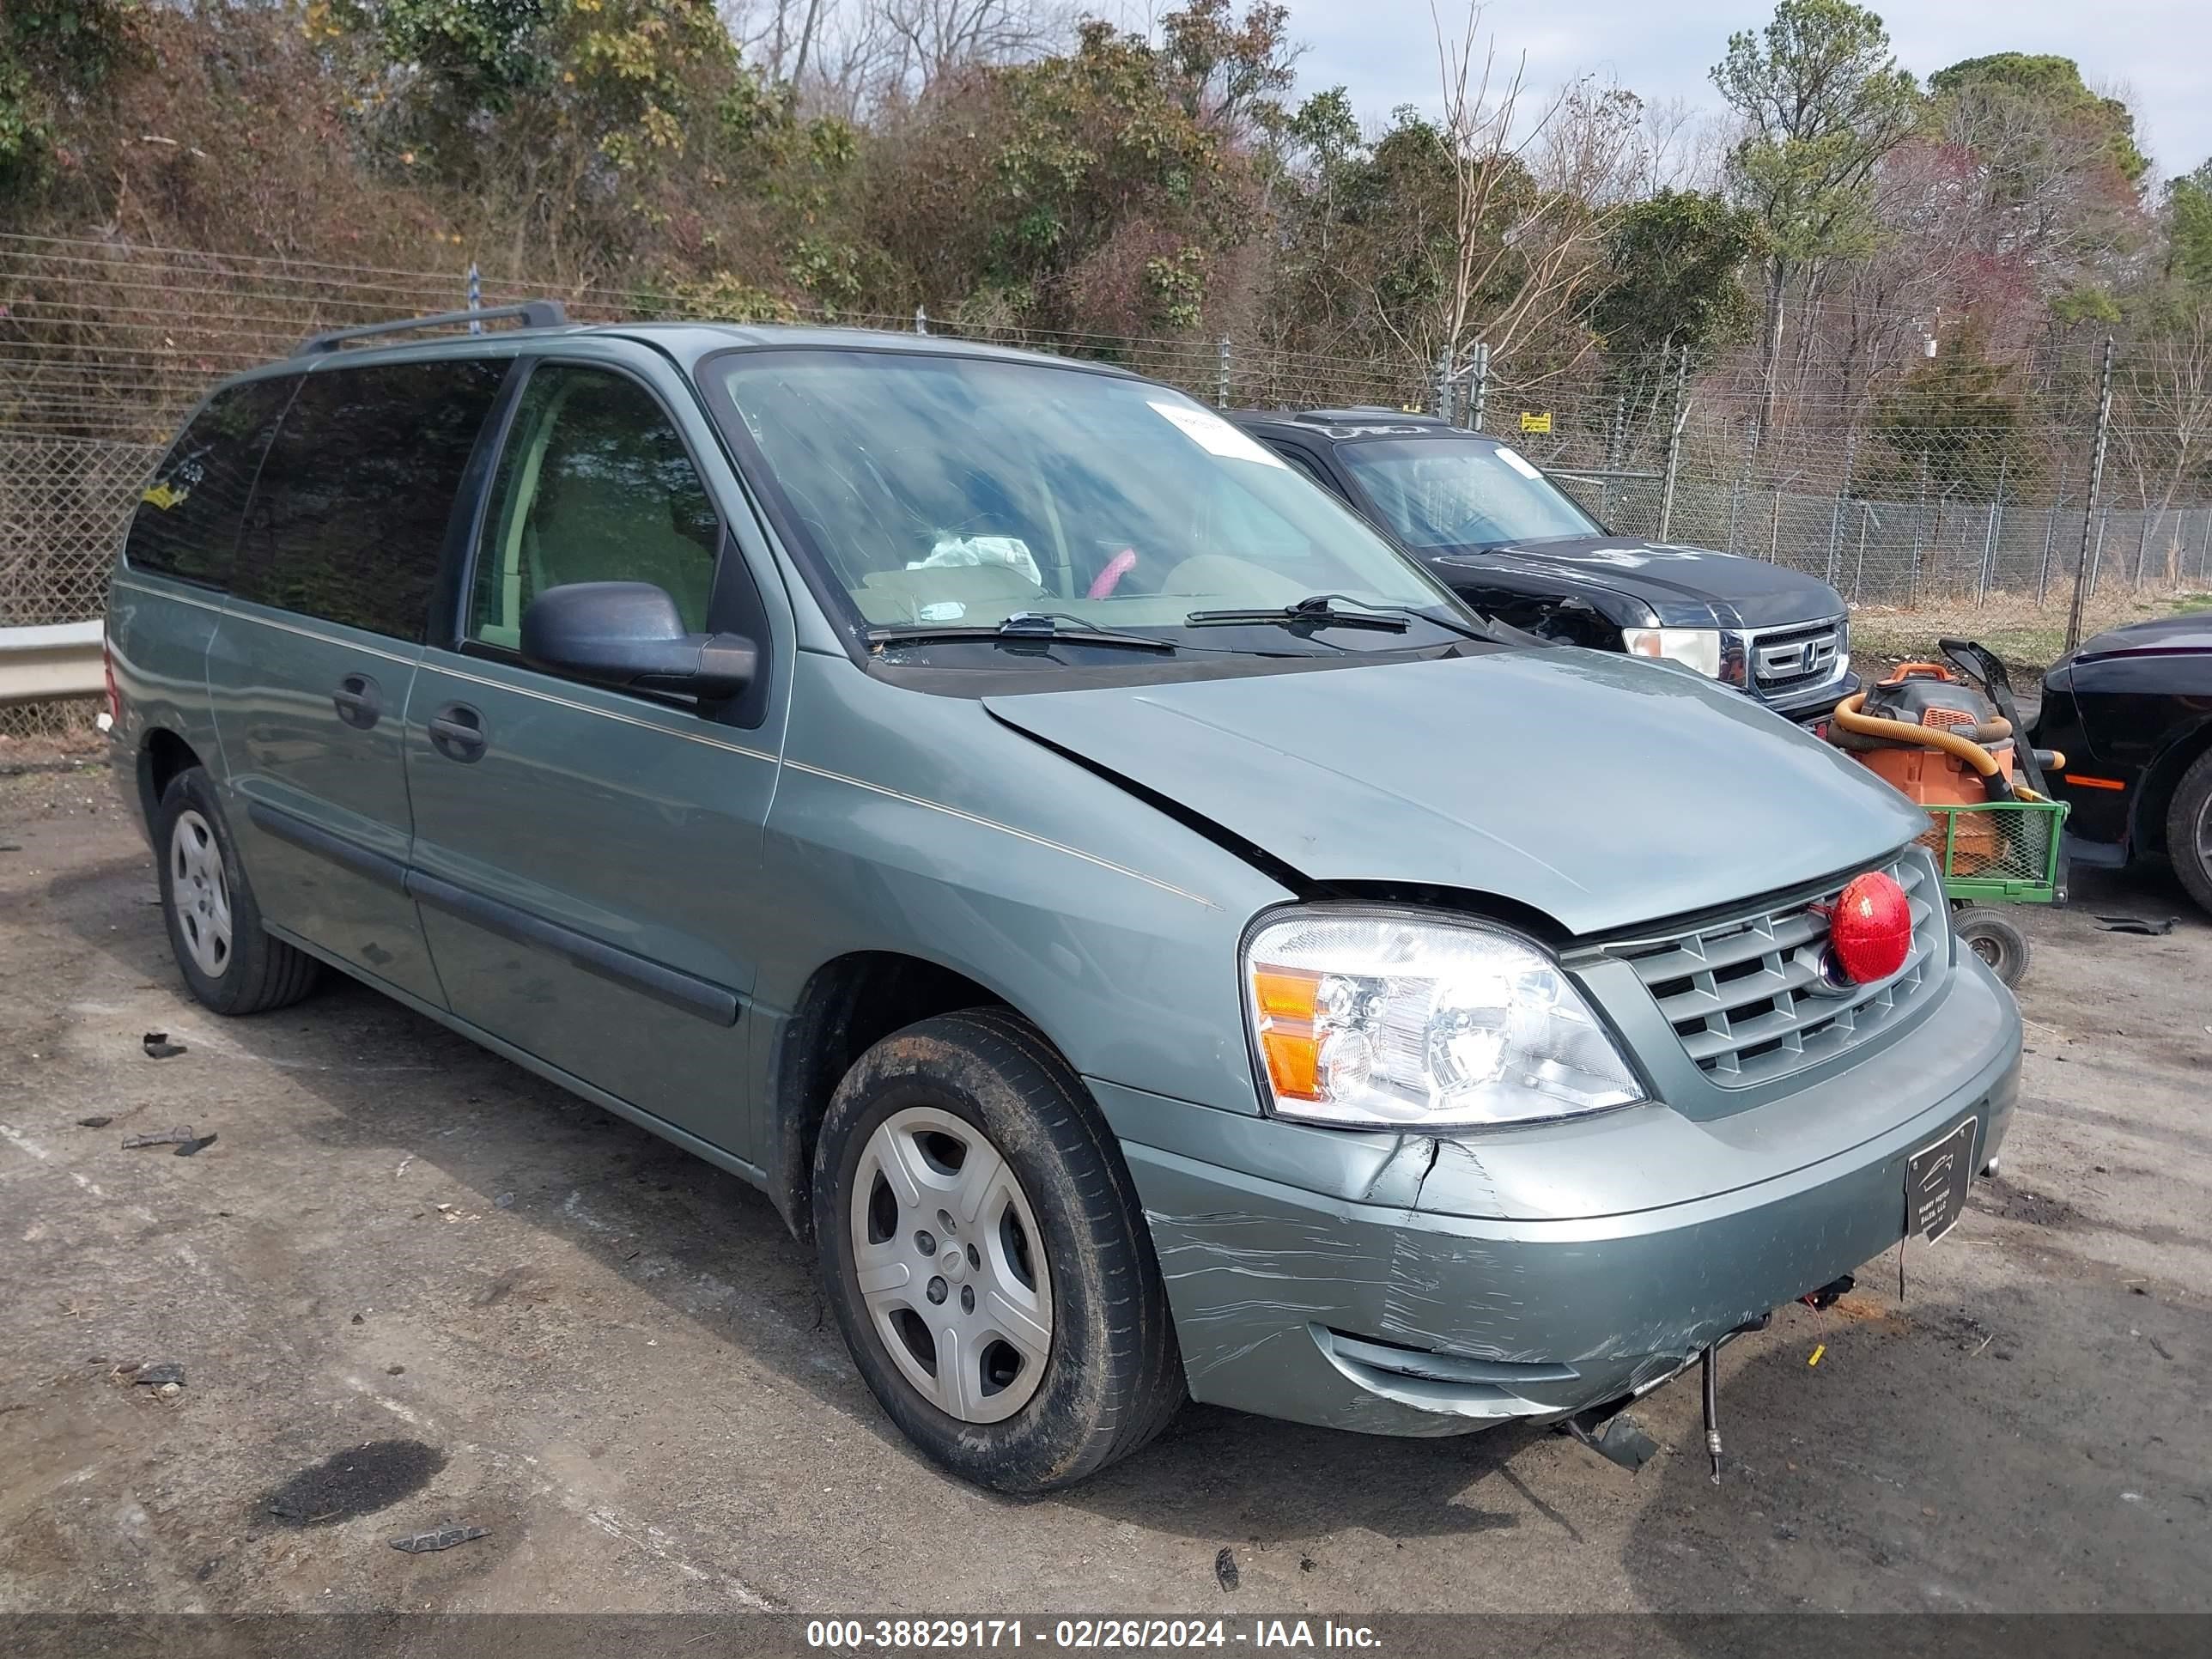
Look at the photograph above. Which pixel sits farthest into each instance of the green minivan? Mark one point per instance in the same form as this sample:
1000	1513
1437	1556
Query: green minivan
1151	940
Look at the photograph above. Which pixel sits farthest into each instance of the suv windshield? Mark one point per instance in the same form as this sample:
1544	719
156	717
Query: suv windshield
1451	492
947	496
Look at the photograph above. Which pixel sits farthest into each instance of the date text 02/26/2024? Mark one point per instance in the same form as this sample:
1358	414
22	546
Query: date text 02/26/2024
896	1635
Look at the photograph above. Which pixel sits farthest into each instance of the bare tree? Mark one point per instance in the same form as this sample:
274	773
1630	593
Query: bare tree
1534	190
2162	413
932	37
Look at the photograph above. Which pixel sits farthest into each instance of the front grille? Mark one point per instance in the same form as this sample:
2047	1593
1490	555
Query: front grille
1791	658
1747	997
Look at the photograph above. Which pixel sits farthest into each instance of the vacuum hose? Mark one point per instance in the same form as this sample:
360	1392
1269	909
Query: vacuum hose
1849	717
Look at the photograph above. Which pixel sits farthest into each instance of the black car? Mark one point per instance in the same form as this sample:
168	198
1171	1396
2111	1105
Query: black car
2132	712
1487	522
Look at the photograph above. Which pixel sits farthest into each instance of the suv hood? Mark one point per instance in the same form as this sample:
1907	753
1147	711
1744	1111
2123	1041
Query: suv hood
1601	790
1684	586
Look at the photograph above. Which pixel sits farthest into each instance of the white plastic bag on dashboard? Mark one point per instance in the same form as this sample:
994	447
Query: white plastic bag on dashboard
1011	551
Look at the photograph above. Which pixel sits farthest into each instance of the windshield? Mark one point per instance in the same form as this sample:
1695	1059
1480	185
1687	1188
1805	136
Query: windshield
952	493
1459	493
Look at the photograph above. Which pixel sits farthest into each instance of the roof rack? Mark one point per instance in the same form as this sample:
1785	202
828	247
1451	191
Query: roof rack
1367	415
532	313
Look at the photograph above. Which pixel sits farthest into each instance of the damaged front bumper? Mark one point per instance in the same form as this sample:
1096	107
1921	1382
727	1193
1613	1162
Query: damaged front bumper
1380	1307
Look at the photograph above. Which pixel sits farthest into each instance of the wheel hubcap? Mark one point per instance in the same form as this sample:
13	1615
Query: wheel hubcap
199	893
950	1265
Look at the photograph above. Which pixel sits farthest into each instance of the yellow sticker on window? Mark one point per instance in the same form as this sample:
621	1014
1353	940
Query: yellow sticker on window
165	496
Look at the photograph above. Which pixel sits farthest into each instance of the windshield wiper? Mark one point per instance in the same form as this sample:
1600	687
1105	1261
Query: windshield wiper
1320	611
1044	627
1314	610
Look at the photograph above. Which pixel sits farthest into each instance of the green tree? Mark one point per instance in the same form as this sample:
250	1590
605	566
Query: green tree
1823	101
1231	72
620	77
1958	416
2041	178
1677	262
2189	230
54	53
2047	82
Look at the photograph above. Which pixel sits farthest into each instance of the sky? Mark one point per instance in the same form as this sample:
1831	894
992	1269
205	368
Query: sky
2157	52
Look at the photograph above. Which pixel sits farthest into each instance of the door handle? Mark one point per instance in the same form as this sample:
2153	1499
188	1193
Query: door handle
457	733
358	700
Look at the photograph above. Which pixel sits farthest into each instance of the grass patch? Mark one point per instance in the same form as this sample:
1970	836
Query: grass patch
2028	637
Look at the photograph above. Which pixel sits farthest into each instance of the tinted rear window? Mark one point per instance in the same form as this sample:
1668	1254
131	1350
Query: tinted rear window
358	489
186	525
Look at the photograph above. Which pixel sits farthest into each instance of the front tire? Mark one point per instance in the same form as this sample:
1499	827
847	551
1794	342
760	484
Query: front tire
2189	830
231	964
984	1248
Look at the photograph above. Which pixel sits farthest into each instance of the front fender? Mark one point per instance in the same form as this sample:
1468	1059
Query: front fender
1111	926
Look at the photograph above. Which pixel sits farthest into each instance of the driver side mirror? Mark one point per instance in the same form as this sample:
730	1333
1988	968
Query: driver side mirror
630	635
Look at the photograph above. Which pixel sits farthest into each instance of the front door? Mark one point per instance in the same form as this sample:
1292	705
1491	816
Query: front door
310	671
587	860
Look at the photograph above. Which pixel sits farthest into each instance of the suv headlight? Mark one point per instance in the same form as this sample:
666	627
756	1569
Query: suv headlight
1693	647
1375	1020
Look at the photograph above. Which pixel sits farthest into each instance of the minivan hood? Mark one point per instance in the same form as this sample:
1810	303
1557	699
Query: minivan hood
1602	791
1684	586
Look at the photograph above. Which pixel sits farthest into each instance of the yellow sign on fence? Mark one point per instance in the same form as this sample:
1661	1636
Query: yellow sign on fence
1534	423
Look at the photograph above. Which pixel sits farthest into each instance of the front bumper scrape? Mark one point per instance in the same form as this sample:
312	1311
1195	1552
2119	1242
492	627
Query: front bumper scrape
1390	1318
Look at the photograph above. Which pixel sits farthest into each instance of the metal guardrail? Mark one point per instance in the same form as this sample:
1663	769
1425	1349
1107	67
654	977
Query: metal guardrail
47	664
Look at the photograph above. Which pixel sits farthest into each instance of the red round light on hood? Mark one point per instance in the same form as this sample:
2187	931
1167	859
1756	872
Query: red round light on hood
1870	930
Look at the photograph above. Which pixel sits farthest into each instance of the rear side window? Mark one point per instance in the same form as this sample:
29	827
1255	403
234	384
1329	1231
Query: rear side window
358	489
186	525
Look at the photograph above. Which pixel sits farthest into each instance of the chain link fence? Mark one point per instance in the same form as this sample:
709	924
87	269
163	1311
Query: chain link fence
1878	490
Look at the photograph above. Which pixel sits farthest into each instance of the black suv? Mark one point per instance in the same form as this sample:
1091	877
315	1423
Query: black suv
1490	524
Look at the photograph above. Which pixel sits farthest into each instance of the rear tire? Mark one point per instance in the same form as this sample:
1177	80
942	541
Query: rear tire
960	1162
230	963
2189	830
1996	940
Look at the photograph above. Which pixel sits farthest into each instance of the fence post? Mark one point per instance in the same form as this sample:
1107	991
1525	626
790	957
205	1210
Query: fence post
1774	530
920	321
2050	533
1443	405
1989	539
1858	571
2142	543
1919	535
1221	377
1478	388
1616	444
1676	416
2082	576
475	296
1842	492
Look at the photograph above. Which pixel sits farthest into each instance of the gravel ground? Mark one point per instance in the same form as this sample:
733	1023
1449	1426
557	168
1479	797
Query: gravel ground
410	1286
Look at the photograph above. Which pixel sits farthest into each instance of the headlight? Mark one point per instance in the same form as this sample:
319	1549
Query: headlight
1693	647
1376	1020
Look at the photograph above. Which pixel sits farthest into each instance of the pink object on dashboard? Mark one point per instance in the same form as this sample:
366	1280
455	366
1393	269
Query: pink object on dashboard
1102	585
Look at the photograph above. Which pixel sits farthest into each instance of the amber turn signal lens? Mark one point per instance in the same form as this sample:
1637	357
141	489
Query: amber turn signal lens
1286	994
1287	999
1293	1063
